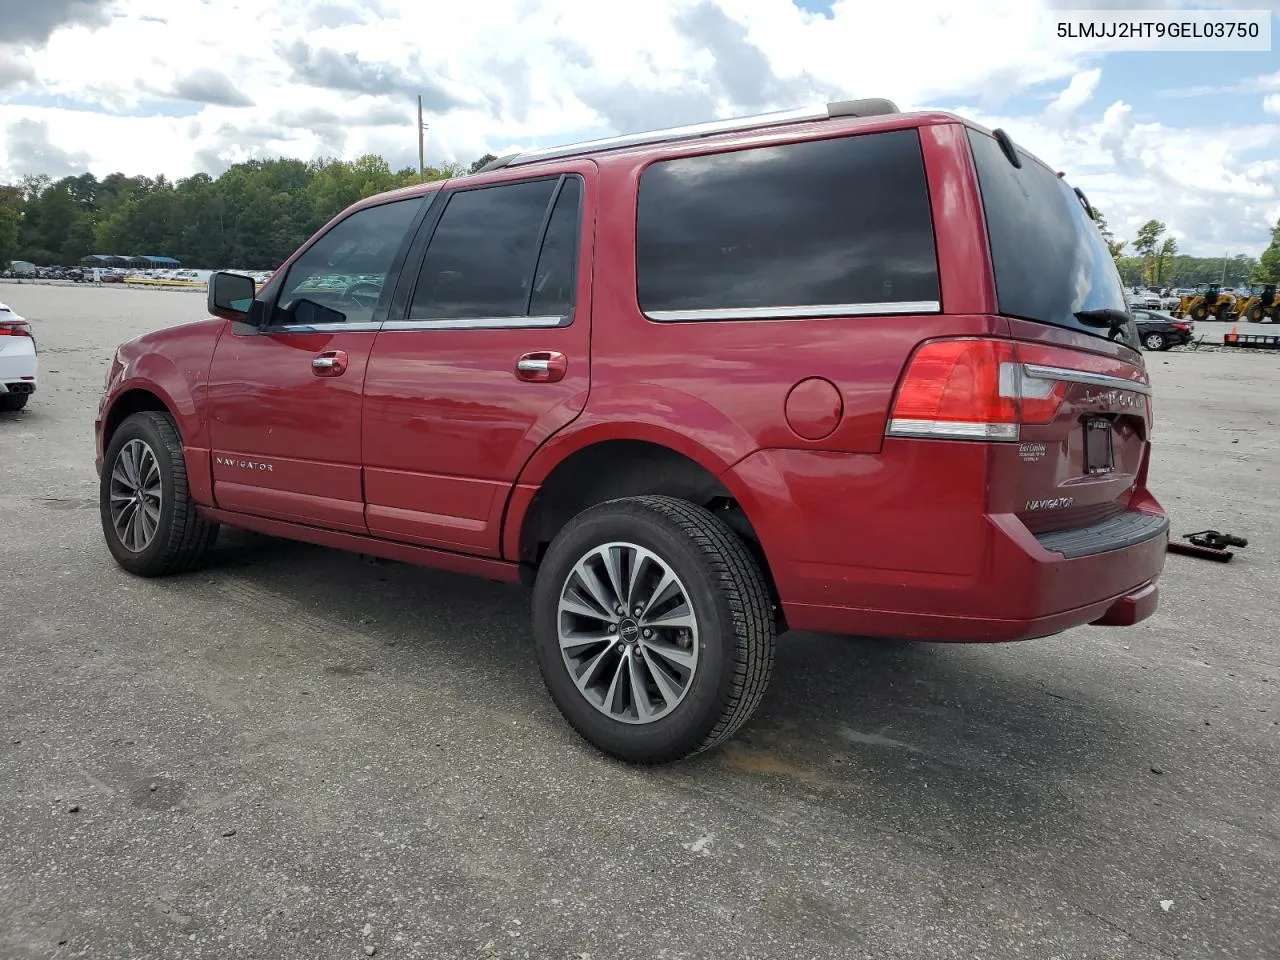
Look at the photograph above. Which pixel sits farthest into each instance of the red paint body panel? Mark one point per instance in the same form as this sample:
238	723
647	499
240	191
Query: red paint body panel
903	544
171	365
429	448
960	227
285	442
449	423
447	427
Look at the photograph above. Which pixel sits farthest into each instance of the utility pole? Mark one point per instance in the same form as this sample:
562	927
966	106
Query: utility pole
1224	269
422	154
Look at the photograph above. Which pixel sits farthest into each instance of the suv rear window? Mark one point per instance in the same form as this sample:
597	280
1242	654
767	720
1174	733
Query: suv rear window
1050	260
833	227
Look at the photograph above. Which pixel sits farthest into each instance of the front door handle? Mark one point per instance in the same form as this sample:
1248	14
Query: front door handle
542	366
331	363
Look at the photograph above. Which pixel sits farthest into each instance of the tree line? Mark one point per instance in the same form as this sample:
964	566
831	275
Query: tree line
257	213
1156	263
251	217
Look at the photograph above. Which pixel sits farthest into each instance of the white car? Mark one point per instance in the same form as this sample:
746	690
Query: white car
17	360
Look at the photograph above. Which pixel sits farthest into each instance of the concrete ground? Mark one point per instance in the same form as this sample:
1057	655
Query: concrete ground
297	753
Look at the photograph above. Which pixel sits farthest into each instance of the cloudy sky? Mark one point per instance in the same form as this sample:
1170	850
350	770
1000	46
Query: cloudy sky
181	86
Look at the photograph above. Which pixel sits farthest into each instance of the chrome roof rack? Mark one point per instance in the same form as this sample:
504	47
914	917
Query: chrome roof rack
873	107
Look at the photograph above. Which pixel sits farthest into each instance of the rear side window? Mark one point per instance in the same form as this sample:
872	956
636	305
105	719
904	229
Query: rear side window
555	278
1050	260
822	228
500	251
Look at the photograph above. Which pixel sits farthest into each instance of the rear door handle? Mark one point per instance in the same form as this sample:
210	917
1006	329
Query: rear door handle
331	363
542	366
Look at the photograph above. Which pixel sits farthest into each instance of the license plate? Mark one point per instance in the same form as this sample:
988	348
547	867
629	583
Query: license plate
1098	453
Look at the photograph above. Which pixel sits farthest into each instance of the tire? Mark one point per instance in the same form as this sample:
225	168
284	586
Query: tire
1199	312
1254	315
1153	341
730	648
180	538
13	402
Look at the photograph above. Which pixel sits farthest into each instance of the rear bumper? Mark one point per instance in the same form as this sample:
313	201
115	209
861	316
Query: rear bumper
1123	611
18	366
889	545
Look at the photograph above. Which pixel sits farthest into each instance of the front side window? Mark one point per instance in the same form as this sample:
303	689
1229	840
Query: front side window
825	228
502	253
339	278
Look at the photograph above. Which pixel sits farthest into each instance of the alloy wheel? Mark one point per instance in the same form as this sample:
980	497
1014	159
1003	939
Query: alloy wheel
136	495
628	633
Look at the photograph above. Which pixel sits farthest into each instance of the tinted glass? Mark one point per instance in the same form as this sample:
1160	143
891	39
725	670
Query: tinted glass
553	282
481	256
1050	260
842	221
340	277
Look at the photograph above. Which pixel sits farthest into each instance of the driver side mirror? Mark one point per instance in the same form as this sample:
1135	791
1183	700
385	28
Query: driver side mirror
231	296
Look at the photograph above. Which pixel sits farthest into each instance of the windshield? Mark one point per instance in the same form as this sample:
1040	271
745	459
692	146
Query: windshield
1051	262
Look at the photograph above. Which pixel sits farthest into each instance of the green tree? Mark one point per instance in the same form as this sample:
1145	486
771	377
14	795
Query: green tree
480	162
1115	246
9	218
1267	270
1146	246
251	217
1164	260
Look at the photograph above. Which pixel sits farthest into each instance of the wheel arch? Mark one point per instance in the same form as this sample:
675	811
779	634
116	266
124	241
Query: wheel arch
135	399
611	468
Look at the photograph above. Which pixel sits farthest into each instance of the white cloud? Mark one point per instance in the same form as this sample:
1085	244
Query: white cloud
1076	94
251	78
1135	170
1271	103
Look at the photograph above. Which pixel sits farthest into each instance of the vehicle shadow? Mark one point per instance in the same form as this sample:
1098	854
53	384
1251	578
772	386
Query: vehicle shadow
957	745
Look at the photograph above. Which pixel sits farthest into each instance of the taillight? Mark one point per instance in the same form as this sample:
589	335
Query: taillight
958	388
15	328
980	389
1182	326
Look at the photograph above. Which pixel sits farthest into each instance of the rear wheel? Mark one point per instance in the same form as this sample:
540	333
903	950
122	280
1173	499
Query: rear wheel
653	627
148	518
10	402
1153	341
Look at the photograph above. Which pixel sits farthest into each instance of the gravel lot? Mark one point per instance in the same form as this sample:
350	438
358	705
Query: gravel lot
298	753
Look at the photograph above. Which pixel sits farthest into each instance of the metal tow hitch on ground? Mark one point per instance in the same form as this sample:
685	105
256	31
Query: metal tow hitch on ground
1209	544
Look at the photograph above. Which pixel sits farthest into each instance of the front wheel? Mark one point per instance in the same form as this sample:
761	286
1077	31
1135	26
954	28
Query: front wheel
1153	341
653	627
148	517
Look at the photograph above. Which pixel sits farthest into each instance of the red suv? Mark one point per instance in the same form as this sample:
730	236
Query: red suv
848	370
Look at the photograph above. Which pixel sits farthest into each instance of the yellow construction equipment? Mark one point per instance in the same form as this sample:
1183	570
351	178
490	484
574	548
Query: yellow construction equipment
1262	305
1207	301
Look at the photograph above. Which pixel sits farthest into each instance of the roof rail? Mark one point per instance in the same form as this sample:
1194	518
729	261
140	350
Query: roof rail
872	107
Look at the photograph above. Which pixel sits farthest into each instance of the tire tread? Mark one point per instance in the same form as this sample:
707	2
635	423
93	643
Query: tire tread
740	580
189	536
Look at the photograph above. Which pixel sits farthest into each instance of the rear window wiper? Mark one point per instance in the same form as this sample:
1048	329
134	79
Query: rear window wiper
1106	317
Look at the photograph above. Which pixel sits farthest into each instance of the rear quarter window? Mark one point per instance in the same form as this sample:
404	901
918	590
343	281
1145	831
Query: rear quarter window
832	227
